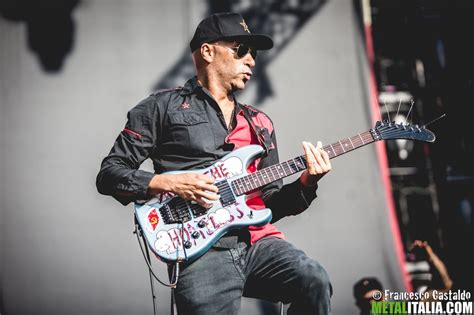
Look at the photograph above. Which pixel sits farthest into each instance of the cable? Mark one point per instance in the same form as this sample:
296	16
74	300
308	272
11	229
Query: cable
172	285
153	296
174	274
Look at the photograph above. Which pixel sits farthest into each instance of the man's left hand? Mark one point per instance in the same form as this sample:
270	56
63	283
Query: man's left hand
318	163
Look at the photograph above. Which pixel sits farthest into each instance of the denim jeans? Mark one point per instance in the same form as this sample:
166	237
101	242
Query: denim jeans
272	269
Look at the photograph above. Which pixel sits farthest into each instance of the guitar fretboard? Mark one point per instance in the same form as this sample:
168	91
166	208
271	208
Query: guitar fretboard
248	183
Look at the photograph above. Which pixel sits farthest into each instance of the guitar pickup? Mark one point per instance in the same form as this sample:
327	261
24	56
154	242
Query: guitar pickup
175	211
198	210
227	196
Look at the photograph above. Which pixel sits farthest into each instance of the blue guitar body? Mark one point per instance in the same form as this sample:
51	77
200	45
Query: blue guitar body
178	230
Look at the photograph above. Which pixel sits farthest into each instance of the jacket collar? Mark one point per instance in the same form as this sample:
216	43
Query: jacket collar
192	86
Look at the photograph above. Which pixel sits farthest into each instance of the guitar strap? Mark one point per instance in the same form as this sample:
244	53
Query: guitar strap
263	136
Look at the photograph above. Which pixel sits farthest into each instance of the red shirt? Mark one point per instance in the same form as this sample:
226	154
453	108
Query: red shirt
242	135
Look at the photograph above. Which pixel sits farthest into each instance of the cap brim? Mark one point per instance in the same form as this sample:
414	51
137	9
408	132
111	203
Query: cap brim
257	41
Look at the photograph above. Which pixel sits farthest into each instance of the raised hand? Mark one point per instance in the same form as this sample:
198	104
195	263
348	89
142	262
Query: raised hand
318	163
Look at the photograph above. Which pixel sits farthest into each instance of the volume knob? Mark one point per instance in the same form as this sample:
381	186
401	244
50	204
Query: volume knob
202	223
188	244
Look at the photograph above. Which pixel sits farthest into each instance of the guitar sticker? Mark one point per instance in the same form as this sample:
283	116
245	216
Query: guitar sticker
153	219
218	219
169	241
229	168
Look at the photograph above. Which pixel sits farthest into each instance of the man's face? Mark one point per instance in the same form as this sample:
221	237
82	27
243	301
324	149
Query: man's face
233	71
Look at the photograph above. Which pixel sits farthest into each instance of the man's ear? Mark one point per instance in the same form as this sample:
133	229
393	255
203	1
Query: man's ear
208	52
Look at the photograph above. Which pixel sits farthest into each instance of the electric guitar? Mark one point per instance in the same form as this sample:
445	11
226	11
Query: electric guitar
179	230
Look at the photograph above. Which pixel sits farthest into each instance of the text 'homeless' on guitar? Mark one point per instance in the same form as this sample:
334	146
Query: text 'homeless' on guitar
179	230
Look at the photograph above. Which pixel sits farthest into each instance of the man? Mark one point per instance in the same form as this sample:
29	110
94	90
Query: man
365	292
193	126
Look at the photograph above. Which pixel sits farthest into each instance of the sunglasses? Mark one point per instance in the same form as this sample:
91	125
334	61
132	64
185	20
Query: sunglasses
242	50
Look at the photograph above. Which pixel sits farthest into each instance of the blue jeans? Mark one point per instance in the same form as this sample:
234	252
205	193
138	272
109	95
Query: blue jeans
272	269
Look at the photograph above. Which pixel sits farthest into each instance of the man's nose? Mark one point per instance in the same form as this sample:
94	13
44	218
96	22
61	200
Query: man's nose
249	61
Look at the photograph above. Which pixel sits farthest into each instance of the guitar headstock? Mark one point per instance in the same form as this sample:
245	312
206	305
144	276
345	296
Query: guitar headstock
385	130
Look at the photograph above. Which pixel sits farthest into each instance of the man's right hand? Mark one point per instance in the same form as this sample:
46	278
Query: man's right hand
197	188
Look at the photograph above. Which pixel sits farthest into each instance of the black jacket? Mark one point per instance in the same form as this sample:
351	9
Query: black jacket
181	129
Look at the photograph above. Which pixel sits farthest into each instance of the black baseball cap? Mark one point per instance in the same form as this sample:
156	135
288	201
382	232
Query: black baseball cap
365	285
228	26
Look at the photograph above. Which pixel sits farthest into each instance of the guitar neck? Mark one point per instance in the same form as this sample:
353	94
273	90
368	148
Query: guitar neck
260	178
